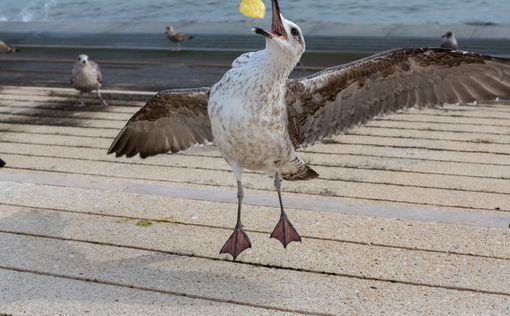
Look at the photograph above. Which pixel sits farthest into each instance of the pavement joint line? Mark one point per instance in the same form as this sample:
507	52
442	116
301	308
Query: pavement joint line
350	133
369	125
71	99
429	138
332	179
332	142
336	142
71	90
70	107
304	151
340	166
501	211
12	102
341	241
56	125
388	119
159	291
446	114
263	265
175	190
408	158
64	117
374	126
495	107
377	118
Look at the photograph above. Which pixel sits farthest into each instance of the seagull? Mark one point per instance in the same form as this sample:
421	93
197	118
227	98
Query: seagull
258	118
448	40
86	77
177	37
4	48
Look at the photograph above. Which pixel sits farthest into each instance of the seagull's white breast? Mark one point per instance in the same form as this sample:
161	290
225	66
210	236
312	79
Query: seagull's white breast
248	115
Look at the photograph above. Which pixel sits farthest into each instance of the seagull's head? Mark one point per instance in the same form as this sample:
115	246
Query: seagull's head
83	59
285	36
448	35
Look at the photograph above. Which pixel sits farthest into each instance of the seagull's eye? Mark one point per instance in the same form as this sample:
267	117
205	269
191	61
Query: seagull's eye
294	31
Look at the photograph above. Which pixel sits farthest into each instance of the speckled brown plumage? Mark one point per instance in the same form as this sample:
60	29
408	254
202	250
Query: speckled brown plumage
172	120
4	48
339	98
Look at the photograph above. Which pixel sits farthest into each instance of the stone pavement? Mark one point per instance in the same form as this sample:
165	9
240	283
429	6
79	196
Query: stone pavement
411	215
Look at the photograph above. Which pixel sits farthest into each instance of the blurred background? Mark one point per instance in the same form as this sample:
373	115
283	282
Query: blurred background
346	11
128	37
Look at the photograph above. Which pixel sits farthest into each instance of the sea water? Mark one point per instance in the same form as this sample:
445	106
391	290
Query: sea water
347	11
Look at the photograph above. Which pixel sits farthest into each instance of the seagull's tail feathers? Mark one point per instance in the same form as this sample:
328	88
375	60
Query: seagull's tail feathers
296	169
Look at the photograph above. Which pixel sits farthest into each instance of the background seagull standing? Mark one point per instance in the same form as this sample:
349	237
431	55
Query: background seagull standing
258	118
4	48
177	37
448	40
86	77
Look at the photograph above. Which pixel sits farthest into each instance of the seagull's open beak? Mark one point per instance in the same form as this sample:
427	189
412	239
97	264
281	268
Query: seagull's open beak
277	28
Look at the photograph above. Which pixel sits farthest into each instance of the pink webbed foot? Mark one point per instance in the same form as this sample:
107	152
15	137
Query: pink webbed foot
285	232
237	243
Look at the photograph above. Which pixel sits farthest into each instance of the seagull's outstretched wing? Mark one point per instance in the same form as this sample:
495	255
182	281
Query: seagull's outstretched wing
337	99
172	120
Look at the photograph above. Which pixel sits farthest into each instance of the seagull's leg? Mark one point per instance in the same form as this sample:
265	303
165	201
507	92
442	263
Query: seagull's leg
238	241
178	46
81	96
103	102
284	230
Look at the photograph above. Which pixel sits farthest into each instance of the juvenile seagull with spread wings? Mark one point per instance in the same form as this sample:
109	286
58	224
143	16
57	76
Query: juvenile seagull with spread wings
258	118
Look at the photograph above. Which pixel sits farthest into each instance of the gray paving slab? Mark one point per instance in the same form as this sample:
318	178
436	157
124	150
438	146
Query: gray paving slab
413	208
358	229
443	270
239	282
31	293
482	172
467	217
369	191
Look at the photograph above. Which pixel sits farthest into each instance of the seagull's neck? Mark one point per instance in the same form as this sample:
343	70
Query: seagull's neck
272	65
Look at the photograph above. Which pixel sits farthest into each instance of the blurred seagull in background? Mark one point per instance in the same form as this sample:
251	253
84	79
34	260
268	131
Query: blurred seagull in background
177	37
86	77
4	48
258	118
448	40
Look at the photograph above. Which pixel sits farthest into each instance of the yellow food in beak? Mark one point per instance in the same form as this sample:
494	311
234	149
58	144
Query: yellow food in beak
253	8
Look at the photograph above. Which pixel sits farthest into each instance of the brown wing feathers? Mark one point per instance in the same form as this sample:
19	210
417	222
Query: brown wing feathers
331	101
173	120
340	98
